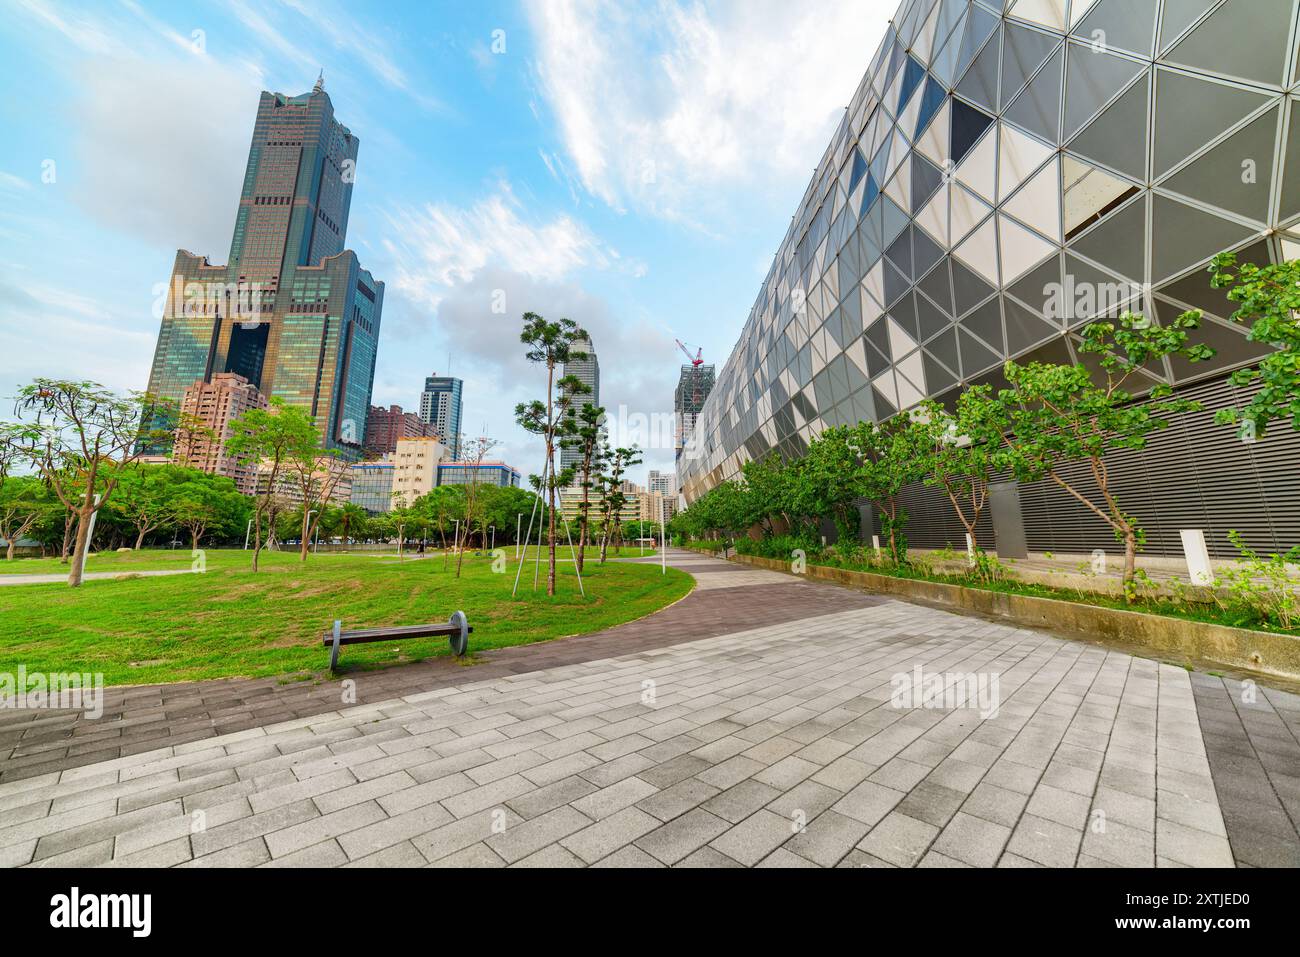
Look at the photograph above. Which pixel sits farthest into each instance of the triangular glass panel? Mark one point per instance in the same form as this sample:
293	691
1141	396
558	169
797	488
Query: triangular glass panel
925	253
1248	39
1038	202
1290	205
1038	107
925	180
1091	79
967	125
859	169
1221	177
1191	112
969	290
1118	242
975	356
1177	17
937	286
980	84
1188	235
913	73
944	348
1124	25
899	253
931	100
937	376
986	322
929	318
1039	286
1113	140
1025	329
1194	288
979	25
1023	52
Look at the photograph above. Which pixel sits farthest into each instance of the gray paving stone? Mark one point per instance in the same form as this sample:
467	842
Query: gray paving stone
671	842
972	840
828	838
610	834
755	837
528	837
898	839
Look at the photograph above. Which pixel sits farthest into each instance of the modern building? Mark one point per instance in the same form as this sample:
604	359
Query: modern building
586	371
372	486
385	426
662	482
478	473
211	406
292	312
693	388
440	406
415	471
1004	174
656	506
334	474
570	501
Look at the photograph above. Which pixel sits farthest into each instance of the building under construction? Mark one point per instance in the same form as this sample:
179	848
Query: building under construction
693	388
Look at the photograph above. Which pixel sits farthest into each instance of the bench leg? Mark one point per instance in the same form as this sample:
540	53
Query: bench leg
460	640
334	652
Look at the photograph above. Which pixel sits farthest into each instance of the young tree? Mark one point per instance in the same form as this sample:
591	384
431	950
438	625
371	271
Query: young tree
888	461
82	438
475	451
352	521
1268	297
827	481
315	473
550	344
613	498
1059	414
270	440
770	481
144	499
582	432
203	503
959	451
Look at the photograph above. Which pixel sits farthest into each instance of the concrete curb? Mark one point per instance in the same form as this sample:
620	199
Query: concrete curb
1263	651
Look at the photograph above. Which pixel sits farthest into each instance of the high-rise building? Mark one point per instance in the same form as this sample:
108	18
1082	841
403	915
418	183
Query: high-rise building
211	407
1000	179
440	407
661	482
693	387
415	468
586	371
292	312
385	426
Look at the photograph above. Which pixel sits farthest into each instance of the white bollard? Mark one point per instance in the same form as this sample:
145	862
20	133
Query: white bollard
1198	556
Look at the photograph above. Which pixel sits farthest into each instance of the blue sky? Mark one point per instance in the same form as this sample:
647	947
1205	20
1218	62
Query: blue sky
631	166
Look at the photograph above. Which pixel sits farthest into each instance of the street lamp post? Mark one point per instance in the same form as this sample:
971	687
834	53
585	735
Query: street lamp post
493	529
519	527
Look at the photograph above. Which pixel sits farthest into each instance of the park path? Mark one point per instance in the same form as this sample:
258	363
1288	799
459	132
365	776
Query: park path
89	576
751	723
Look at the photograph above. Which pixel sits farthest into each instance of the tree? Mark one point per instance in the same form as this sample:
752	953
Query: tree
1268	297
351	521
769	483
613	498
144	499
888	460
959	451
24	503
827	481
475	451
550	344
582	432
1058	414
202	502
268	440
315	473
82	438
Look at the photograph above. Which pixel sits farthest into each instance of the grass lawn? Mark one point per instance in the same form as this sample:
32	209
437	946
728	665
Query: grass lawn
229	622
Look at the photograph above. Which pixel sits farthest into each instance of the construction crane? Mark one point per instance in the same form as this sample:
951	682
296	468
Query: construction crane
697	360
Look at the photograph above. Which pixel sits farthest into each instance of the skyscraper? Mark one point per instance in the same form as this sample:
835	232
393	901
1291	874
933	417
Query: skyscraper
212	406
661	482
293	312
693	387
586	371
384	427
440	406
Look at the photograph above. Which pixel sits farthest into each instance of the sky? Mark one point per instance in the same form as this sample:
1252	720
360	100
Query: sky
630	166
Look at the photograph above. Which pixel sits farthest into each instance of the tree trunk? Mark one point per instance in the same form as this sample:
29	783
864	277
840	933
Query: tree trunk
257	537
139	539
306	536
68	524
82	544
9	556
1130	562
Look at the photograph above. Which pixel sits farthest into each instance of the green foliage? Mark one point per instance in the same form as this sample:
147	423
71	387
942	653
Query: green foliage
781	547
1268	297
1260	588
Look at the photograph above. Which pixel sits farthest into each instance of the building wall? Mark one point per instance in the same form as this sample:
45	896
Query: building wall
469	473
415	467
213	406
385	426
586	371
372	486
1000	179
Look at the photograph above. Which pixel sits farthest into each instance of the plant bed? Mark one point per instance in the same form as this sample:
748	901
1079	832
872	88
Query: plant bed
1191	631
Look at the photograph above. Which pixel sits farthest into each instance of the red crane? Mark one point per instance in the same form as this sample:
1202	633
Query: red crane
697	360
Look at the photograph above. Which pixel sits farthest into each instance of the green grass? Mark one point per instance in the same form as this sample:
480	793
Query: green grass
229	622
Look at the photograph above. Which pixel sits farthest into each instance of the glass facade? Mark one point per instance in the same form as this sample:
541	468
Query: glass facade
467	473
440	406
1004	174
293	311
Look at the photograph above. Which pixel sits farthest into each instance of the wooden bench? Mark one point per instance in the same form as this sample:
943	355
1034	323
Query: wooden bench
456	629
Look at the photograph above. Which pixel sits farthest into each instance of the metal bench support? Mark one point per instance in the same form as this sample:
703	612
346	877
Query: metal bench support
334	652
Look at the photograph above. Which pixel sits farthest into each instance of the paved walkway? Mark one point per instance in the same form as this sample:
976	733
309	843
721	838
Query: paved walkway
750	724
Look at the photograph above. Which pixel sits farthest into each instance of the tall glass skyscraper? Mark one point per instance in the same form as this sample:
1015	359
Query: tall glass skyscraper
293	312
586	371
440	407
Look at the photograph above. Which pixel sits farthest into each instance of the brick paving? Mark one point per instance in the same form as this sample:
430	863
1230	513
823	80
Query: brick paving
751	724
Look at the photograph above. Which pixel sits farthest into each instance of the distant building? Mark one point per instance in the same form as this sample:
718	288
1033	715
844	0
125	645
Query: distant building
372	486
665	483
571	501
288	485
656	506
415	468
213	406
485	473
440	406
693	387
385	426
586	371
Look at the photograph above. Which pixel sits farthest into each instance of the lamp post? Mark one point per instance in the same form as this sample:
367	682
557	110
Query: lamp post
519	527
493	529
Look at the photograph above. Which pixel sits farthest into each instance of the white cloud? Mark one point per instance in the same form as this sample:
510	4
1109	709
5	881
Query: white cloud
656	108
441	245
